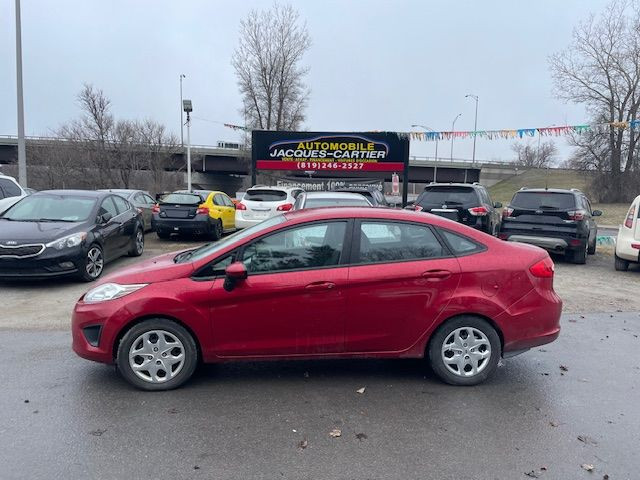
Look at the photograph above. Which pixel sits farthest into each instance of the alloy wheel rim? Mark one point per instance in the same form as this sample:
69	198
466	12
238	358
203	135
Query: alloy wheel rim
139	241
95	262
466	352
156	356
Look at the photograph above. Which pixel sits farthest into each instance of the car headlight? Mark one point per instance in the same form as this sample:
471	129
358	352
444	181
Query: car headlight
111	291
69	241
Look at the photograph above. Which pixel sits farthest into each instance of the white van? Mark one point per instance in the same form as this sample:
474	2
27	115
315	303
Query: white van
10	192
628	241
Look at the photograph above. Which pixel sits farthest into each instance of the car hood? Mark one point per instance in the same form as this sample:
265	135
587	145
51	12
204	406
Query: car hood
153	270
37	232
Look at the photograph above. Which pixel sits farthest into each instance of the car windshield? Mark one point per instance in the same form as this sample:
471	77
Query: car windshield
181	199
265	195
543	201
447	195
49	208
212	248
336	202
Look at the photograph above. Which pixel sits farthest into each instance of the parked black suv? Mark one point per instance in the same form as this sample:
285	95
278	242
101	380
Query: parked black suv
557	220
464	203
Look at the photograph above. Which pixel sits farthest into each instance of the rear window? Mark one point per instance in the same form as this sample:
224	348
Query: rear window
544	200
182	199
336	202
448	196
265	195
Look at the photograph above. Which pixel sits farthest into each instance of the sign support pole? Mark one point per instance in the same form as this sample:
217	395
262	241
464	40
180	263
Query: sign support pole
254	158
405	174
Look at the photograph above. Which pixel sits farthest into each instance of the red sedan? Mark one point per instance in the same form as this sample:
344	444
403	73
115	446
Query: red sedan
325	283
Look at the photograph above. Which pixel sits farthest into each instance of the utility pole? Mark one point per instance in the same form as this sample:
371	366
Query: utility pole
186	106
475	127
22	152
182	75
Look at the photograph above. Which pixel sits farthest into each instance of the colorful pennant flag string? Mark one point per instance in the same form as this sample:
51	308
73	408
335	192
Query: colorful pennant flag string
555	131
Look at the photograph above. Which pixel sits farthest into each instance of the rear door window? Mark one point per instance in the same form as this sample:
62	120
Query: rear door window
258	195
8	188
394	241
543	201
445	195
460	245
217	200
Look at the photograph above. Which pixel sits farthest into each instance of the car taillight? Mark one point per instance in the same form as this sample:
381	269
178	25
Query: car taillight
204	210
629	221
576	215
478	211
155	208
240	206
542	269
636	246
285	207
507	212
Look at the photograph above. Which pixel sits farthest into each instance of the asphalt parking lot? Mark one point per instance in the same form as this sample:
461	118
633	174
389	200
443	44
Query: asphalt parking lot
549	413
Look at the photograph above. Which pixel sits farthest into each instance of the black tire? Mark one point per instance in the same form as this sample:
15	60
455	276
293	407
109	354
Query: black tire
591	250
163	235
216	230
579	256
621	264
137	243
173	329
488	366
89	273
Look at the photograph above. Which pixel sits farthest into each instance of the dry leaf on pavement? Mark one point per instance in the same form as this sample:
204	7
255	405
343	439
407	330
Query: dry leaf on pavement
336	432
361	390
588	467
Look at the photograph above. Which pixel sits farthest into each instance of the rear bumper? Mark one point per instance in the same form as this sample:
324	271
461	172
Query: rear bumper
625	251
551	241
242	222
548	243
199	224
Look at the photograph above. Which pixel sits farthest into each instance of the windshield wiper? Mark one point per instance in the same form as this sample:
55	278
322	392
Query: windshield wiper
183	256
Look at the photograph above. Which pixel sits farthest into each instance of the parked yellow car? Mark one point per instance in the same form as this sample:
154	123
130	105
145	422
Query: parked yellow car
199	212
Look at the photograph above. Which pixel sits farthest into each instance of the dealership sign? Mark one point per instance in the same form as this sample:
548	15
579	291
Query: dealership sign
325	151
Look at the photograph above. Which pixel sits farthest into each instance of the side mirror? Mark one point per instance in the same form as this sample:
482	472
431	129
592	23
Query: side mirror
105	218
497	205
596	213
234	273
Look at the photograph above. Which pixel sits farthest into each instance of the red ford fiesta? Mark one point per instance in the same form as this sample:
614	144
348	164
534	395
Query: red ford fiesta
325	283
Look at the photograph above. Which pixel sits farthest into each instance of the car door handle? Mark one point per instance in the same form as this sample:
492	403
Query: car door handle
320	286
436	274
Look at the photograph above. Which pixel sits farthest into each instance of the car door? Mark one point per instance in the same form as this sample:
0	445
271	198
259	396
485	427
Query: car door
221	210
145	203
400	280
230	211
127	218
592	225
292	302
110	230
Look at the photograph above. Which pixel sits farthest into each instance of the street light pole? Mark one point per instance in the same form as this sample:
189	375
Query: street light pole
475	127
435	165
182	75
188	108
453	127
22	153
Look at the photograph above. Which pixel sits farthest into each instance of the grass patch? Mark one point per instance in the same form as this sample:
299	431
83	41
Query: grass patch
612	213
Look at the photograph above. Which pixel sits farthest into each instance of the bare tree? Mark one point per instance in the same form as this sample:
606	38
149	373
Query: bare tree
601	70
534	155
267	62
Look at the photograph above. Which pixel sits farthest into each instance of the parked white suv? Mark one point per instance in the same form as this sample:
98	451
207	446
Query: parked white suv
261	202
10	192
628	241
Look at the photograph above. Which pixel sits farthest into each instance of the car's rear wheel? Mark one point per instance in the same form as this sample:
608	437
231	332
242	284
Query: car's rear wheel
464	350
216	230
579	256
93	264
621	264
157	354
137	246
592	246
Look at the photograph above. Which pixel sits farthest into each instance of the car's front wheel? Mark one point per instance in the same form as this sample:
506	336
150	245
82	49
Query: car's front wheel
157	354
464	350
93	264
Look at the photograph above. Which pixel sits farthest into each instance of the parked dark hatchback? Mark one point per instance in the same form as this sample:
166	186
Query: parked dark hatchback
464	203
67	232
182	212
560	221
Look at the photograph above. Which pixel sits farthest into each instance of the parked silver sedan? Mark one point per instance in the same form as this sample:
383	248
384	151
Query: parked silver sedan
138	198
330	199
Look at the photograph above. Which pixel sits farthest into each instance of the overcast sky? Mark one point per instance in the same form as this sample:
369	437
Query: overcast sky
375	65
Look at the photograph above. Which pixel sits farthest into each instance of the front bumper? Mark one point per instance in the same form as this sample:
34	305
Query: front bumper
49	264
